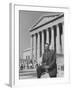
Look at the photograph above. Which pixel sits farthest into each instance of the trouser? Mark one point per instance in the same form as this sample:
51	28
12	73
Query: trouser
40	71
53	76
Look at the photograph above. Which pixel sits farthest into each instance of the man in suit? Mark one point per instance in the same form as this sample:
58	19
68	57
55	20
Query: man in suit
48	63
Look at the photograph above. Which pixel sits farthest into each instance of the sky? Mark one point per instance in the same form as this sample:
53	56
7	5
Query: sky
26	20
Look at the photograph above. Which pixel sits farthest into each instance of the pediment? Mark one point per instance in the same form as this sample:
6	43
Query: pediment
44	20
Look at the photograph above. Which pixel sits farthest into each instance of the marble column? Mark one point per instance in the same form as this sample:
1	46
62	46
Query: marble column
38	46
47	36
62	38
52	38
42	42
34	46
31	47
58	47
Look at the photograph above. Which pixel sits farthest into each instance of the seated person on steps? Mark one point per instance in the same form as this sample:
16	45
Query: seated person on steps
48	63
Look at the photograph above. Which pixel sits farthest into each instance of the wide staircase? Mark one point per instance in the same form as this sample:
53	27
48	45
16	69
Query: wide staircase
27	73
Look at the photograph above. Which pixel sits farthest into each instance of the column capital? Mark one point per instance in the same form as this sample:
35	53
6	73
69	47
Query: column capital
52	27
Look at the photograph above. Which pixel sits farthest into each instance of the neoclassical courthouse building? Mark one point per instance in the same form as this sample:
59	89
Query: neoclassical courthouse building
49	29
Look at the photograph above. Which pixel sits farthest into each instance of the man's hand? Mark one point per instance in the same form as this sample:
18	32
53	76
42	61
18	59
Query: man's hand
46	67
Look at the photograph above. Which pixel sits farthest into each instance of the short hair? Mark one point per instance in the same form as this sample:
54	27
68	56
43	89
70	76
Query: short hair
47	44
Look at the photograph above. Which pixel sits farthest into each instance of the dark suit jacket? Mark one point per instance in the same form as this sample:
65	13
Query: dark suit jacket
49	57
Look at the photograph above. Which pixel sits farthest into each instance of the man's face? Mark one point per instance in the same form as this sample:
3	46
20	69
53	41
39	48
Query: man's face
46	46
